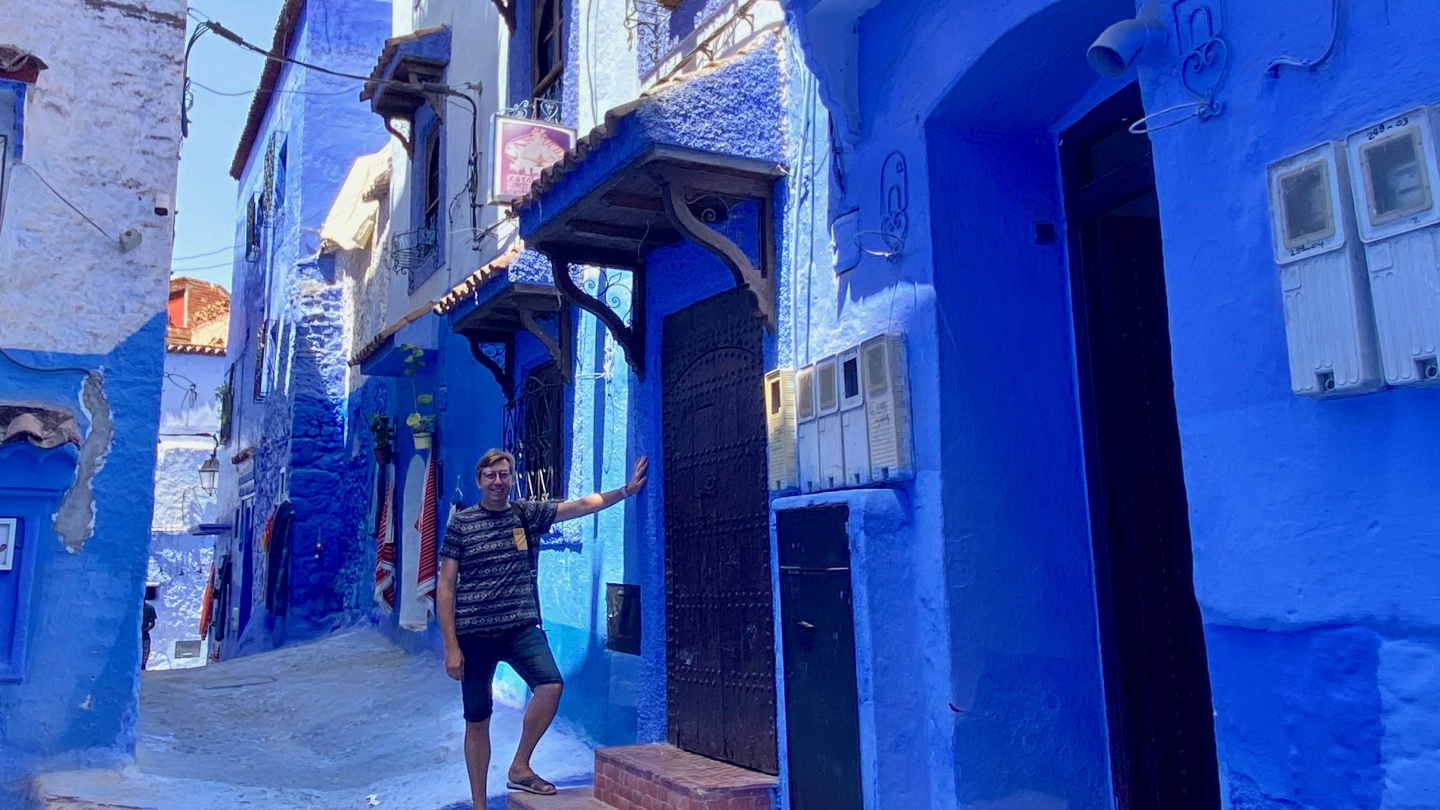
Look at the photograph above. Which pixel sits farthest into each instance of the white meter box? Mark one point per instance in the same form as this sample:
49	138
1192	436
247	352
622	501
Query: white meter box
827	409
780	423
1396	177
855	437
807	431
1328	325
886	377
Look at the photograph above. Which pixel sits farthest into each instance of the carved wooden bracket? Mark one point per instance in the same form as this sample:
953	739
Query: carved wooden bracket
504	370
559	351
759	280
507	13
403	137
631	338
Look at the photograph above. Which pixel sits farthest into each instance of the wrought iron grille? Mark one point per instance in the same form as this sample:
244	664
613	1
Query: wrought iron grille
534	434
409	249
539	109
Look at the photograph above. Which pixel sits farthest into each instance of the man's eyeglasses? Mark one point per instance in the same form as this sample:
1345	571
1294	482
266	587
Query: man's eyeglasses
492	476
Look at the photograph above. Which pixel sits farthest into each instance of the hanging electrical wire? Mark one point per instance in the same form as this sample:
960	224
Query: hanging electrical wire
435	88
61	197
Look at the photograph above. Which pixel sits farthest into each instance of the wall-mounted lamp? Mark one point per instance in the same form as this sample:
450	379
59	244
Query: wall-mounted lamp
209	473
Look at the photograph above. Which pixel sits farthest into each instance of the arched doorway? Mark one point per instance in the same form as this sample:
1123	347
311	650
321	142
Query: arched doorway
1067	546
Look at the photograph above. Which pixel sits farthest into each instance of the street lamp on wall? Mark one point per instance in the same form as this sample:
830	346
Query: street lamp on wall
209	473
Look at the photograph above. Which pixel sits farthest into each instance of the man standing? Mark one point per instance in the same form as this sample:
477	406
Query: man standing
493	614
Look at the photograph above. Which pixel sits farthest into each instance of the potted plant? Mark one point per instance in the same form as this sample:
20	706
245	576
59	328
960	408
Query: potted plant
422	425
382	432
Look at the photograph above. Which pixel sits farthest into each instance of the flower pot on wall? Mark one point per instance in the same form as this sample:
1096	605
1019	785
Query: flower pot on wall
422	440
384	454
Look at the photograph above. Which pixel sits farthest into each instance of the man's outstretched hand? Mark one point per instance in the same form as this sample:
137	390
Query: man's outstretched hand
637	481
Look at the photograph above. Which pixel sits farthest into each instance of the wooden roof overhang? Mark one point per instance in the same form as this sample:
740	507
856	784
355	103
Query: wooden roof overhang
661	197
504	306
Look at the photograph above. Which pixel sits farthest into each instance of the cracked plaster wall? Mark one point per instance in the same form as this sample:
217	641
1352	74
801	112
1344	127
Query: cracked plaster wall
101	126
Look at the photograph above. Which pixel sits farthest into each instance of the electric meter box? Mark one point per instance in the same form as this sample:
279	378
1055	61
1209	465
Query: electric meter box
807	430
780	425
1326	296
829	428
1395	185
854	433
886	378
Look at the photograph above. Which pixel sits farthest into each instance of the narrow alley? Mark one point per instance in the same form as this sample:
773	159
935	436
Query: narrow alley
719	405
345	723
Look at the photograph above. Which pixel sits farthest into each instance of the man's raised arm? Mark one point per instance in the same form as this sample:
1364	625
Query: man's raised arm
590	504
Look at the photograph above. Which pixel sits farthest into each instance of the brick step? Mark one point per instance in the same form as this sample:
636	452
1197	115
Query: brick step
662	777
570	799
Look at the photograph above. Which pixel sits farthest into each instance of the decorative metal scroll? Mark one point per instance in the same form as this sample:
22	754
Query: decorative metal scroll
539	109
648	16
533	430
1204	68
738	24
614	288
896	183
495	357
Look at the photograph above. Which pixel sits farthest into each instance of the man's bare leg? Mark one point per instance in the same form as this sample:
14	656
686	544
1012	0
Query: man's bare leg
477	759
538	716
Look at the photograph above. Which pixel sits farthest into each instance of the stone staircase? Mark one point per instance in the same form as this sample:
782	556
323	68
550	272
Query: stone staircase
659	777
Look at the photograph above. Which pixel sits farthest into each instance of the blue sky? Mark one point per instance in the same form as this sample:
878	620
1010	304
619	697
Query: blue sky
205	203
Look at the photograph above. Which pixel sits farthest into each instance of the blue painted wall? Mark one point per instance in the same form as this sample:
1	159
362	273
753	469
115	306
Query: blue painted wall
301	430
77	703
1316	561
1314	552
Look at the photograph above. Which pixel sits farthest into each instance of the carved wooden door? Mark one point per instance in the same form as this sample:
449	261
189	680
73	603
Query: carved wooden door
720	648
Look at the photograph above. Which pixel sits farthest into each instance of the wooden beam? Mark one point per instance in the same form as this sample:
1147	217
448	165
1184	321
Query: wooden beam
639	234
559	351
633	201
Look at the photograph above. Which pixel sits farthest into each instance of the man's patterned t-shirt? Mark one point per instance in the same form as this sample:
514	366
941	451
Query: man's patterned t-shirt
495	591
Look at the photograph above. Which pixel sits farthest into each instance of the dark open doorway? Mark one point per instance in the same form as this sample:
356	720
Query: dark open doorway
1157	686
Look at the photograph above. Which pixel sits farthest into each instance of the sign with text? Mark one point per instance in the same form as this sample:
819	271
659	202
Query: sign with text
520	149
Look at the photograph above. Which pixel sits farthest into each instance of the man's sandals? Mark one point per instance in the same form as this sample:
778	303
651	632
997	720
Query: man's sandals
532	784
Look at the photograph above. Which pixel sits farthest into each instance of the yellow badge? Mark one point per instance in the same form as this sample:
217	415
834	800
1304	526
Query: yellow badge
520	542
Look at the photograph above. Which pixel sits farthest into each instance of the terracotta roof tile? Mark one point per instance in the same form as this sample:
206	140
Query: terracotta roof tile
488	271
269	76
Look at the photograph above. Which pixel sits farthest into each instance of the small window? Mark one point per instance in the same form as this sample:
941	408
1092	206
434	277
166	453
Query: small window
1396	183
851	376
252	229
805	393
430	219
190	648
1305	205
875	377
775	396
547	57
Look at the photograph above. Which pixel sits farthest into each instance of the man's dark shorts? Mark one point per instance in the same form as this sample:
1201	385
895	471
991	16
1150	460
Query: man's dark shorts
526	649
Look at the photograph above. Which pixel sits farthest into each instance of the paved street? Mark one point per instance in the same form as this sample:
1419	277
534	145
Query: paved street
345	723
